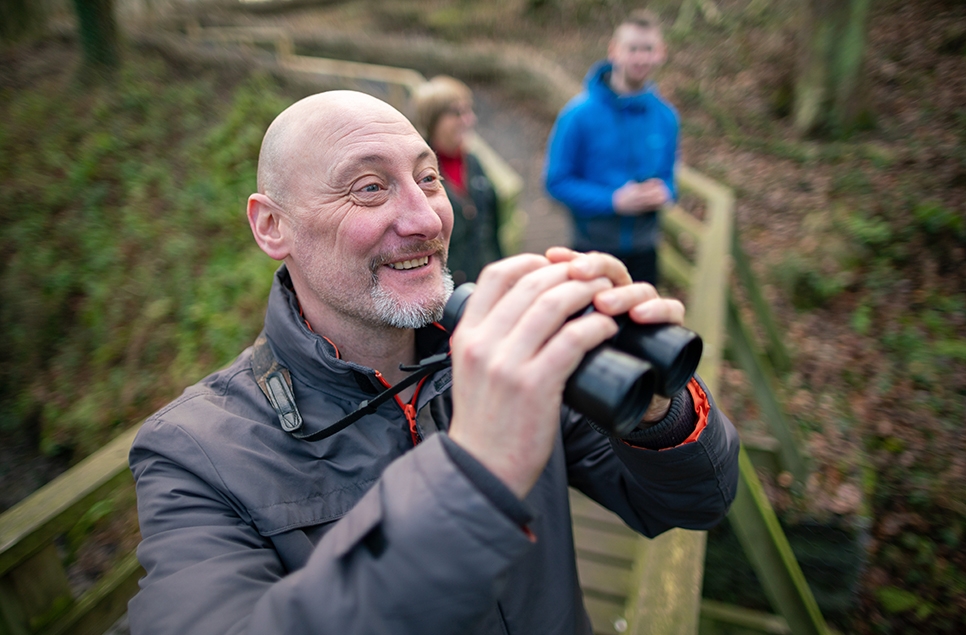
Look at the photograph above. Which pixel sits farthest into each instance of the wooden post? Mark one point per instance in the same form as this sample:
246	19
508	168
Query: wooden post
667	574
34	593
760	376
775	349
668	570
764	542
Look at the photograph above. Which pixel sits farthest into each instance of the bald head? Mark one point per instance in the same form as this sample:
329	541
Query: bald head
304	131
349	196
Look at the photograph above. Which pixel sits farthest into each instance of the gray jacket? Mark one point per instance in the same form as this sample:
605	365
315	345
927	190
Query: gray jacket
246	529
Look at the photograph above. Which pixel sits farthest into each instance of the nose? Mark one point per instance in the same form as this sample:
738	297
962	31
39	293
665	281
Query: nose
417	214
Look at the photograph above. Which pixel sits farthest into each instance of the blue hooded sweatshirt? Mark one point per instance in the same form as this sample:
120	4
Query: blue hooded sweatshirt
602	140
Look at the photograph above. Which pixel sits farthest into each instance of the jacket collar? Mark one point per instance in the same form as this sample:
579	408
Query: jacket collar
597	83
313	360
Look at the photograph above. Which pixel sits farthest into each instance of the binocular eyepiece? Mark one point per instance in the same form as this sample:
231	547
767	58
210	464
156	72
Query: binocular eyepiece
615	382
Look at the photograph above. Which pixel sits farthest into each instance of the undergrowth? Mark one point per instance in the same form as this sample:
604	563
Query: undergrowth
127	269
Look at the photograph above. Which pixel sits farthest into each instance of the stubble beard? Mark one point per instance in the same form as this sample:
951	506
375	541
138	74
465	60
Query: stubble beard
396	312
384	309
402	313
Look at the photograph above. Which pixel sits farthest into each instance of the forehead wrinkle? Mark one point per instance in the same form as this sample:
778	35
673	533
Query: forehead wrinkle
345	166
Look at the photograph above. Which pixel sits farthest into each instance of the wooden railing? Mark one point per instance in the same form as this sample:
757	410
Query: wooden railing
35	597
631	584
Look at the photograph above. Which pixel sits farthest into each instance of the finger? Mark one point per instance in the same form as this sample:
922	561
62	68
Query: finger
622	299
493	318
561	254
595	264
562	353
658	311
496	280
541	317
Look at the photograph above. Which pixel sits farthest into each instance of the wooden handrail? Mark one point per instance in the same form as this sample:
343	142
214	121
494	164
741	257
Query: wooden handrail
35	521
34	594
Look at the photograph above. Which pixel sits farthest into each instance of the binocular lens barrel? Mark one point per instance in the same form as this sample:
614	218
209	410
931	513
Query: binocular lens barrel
673	350
614	383
453	310
612	388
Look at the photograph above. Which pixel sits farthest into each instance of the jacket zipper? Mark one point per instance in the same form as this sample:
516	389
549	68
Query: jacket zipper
409	409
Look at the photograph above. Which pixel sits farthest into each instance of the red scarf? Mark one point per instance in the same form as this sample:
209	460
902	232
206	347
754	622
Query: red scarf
453	169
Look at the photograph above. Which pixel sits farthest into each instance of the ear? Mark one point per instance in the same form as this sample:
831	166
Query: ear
269	226
611	46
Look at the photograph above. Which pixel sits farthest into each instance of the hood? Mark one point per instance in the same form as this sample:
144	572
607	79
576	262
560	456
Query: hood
597	83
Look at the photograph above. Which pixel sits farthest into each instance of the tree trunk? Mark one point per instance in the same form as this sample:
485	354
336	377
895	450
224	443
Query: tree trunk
19	19
98	33
828	92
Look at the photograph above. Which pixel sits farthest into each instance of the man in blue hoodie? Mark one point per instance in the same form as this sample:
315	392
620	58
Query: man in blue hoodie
611	154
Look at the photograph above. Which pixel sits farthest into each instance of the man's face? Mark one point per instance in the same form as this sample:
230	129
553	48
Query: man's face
635	52
372	224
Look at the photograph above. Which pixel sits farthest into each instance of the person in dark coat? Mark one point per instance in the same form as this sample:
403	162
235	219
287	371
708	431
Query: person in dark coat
444	115
319	484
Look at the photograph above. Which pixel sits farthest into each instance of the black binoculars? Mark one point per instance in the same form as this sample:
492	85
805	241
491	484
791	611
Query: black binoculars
615	382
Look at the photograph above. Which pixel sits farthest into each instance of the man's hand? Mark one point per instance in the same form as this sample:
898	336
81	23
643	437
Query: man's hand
514	349
512	352
633	198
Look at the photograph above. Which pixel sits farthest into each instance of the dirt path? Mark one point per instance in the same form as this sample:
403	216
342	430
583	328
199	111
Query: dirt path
520	138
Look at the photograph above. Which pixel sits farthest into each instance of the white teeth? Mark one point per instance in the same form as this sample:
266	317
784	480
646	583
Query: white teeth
410	264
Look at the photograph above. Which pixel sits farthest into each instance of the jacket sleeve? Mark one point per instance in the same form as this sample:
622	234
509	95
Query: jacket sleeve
422	528
691	485
562	175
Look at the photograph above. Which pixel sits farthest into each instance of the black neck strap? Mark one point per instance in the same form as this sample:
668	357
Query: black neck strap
276	383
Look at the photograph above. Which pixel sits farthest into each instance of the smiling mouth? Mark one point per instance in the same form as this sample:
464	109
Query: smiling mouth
415	263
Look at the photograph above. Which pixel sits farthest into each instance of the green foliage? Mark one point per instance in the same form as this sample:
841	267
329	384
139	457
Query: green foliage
927	343
127	267
930	564
935	219
807	284
896	600
851	182
862	319
871	233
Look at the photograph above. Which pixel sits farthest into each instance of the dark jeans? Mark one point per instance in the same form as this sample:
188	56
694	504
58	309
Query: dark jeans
642	265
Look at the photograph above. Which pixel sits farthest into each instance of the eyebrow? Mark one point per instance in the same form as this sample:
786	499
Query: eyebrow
373	159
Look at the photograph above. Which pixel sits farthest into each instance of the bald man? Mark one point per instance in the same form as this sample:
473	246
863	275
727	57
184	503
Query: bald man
339	477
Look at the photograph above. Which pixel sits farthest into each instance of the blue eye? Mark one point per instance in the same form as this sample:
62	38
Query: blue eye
371	188
431	179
